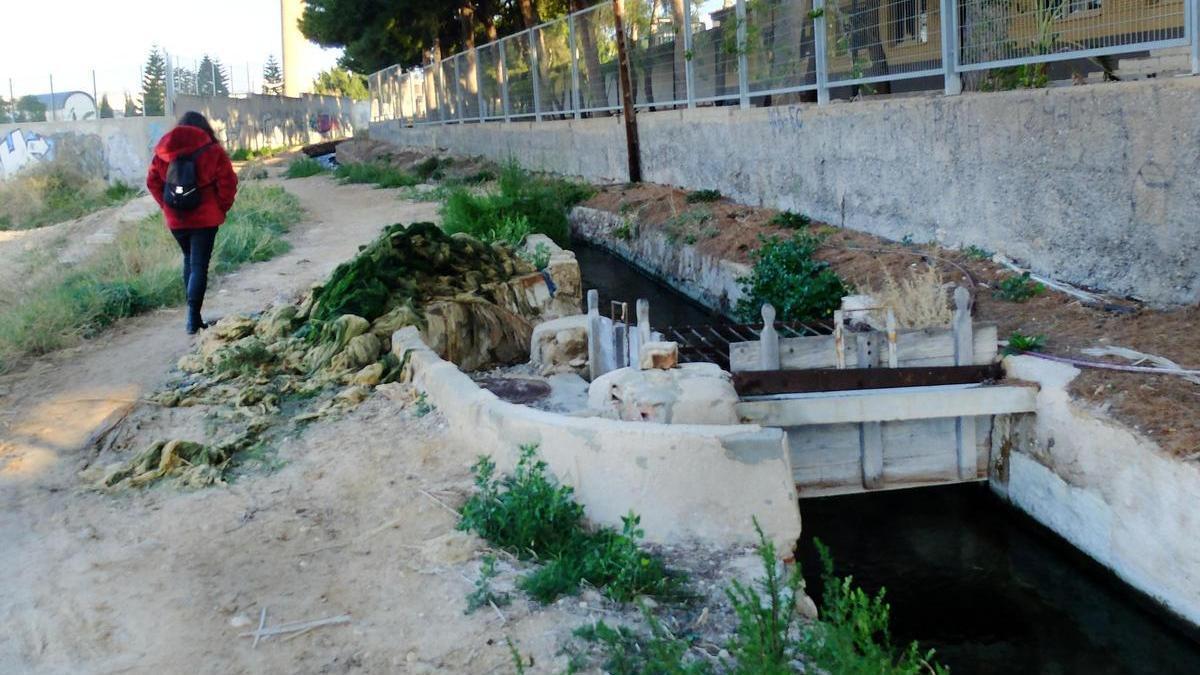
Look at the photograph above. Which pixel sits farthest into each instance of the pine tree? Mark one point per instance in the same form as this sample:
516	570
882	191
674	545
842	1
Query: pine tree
212	80
185	80
272	77
154	83
106	111
222	78
131	106
5	111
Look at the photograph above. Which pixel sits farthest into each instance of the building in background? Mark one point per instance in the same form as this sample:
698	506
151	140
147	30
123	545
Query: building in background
294	43
68	105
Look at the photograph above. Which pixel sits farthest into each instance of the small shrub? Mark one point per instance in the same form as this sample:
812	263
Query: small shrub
427	167
422	406
382	175
975	253
702	196
512	231
907	240
918	299
240	155
483	593
627	652
791	220
684	225
1018	288
625	231
543	202
539	257
303	167
1019	343
786	274
55	192
766	613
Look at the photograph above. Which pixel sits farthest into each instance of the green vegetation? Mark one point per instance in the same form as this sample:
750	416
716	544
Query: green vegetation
626	230
422	406
383	175
244	154
543	202
137	272
1019	343
786	274
483	593
851	638
702	196
539	257
690	226
303	167
532	517
1018	288
55	192
975	253
512	231
790	220
341	82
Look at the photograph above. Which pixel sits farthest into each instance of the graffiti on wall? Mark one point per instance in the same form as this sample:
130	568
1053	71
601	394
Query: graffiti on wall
19	149
322	123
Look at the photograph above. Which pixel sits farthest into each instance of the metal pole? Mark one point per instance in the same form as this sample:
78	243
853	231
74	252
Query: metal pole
1193	29
458	97
575	98
51	97
503	73
95	94
212	70
631	130
249	89
169	88
533	69
822	54
689	68
479	82
953	82
743	61
12	101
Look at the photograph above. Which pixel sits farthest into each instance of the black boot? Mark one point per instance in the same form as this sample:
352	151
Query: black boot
194	323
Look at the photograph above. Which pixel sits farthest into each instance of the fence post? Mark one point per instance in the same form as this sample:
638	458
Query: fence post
1192	11
743	61
537	76
458	92
949	31
820	38
689	69
479	82
169	89
576	99
502	72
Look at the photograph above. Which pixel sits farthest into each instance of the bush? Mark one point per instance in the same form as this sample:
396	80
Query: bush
137	272
791	220
531	516
701	196
1018	288
56	192
786	274
303	167
383	175
543	202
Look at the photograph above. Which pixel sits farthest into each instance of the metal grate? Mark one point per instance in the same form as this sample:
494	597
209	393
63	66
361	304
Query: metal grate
710	343
876	40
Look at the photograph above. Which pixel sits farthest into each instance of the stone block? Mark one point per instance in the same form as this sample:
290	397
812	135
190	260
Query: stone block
658	356
560	345
693	393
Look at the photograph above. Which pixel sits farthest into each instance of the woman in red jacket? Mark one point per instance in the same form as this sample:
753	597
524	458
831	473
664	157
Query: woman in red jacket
193	181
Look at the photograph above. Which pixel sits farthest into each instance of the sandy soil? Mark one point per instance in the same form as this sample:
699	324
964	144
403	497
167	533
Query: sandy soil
1165	408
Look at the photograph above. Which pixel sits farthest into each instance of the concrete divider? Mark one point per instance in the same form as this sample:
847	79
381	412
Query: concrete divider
687	482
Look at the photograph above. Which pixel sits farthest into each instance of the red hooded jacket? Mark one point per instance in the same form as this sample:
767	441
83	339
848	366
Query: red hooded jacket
214	172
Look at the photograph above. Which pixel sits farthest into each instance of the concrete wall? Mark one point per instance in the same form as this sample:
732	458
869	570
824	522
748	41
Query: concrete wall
116	149
1095	185
1110	492
276	121
688	482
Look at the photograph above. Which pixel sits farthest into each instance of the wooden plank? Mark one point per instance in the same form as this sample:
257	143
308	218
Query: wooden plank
871	449
921	347
760	383
882	405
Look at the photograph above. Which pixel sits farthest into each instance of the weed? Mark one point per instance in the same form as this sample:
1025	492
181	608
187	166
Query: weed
702	196
244	357
422	406
1019	343
512	231
907	240
427	167
539	257
244	154
786	274
55	192
382	175
543	202
917	298
303	167
790	220
629	653
1018	288
517	660
975	253
763	641
240	155
625	231
683	225
483	593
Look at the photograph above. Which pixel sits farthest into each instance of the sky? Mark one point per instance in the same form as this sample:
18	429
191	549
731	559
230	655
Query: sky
70	38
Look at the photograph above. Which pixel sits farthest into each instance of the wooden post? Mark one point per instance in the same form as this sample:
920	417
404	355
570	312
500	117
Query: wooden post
870	434
631	131
643	319
964	355
839	339
595	353
893	361
768	340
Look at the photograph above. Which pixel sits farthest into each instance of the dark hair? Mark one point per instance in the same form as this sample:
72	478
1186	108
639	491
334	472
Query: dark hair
192	118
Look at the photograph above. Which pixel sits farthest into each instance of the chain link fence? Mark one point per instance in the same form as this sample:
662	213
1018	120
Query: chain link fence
684	53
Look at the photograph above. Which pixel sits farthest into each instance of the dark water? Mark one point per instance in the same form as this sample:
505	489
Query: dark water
988	588
616	280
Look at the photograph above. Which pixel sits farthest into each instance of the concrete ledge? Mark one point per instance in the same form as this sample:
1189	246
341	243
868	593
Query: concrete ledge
887	405
688	482
1106	489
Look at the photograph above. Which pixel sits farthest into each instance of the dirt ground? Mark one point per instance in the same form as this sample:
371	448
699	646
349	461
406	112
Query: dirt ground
1164	408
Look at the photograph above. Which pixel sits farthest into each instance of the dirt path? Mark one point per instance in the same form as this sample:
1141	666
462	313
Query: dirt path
164	581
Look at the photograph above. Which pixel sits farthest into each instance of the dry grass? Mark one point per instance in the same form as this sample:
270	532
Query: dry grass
919	298
53	193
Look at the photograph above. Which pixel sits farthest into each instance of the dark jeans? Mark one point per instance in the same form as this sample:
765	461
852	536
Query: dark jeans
197	247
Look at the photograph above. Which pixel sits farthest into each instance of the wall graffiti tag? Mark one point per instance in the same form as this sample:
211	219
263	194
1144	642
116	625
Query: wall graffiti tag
322	123
20	148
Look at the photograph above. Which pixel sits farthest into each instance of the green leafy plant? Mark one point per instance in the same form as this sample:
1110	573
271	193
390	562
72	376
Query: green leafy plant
766	612
786	274
303	167
240	155
483	593
627	652
907	240
702	196
1018	288
517	660
539	257
975	253
790	220
684	225
544	202
422	406
512	231
1019	343
625	231
382	175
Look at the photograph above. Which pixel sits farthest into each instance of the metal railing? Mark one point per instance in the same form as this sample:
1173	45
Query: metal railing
684	53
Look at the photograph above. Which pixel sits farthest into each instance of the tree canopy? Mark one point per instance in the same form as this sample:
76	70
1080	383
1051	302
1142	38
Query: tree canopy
272	77
341	82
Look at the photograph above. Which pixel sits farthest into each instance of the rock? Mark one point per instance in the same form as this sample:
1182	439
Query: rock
658	355
693	393
560	346
239	621
369	376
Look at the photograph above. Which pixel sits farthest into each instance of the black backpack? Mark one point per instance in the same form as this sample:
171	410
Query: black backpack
180	190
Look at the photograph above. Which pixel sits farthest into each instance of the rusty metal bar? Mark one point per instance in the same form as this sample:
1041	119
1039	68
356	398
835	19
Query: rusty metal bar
767	382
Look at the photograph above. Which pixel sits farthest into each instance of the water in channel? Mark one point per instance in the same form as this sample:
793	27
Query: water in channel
992	591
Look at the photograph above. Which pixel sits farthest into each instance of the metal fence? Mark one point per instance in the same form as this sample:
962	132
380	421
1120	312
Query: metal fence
684	53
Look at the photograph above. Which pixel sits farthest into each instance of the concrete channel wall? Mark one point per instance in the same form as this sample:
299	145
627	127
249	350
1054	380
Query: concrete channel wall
112	149
1095	185
687	482
258	121
1109	491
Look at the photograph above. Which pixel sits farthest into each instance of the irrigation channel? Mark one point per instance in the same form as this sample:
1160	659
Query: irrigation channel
966	574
